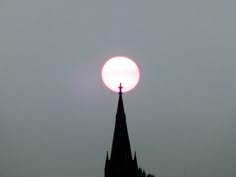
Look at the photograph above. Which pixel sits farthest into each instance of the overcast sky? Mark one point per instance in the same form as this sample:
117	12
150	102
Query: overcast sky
56	115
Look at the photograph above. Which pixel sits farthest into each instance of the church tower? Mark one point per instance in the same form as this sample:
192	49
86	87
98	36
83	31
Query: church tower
121	163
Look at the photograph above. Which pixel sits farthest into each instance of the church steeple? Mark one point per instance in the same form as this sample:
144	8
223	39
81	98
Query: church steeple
121	162
121	146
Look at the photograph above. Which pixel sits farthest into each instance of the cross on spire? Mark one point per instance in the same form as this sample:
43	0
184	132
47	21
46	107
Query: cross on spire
120	88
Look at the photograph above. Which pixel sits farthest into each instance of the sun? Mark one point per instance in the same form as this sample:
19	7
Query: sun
120	70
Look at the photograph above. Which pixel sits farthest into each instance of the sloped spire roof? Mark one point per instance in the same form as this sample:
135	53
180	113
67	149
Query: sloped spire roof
121	145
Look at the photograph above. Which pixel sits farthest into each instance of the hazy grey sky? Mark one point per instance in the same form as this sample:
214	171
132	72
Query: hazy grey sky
57	117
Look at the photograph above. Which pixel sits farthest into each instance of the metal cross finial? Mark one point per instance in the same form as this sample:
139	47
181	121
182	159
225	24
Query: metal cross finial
120	88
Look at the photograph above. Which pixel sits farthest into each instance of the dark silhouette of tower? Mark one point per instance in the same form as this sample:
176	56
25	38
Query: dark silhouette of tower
121	163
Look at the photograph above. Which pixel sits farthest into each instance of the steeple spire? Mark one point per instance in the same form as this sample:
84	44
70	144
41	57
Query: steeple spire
121	162
121	146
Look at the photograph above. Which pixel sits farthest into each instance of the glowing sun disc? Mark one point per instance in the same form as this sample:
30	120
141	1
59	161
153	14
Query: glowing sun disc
120	70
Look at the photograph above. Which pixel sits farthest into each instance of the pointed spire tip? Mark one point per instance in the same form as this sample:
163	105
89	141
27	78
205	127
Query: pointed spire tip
120	88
